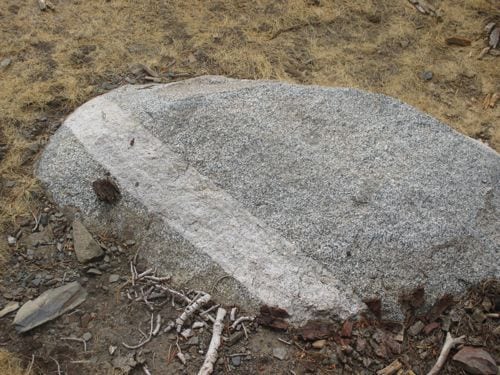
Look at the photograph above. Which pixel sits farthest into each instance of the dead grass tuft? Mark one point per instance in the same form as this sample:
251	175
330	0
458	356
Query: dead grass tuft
10	364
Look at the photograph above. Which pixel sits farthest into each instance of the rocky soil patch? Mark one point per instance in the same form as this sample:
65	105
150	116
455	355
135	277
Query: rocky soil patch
129	322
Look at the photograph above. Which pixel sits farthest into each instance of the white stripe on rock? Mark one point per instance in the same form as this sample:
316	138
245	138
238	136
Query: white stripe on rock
269	266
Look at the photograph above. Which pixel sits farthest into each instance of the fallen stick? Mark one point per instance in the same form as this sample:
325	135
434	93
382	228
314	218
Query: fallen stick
145	341
211	356
233	314
449	344
239	320
191	309
390	369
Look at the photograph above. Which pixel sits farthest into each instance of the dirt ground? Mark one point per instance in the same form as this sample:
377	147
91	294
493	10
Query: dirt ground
57	59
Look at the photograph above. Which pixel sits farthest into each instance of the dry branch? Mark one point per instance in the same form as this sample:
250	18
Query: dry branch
449	344
211	357
191	309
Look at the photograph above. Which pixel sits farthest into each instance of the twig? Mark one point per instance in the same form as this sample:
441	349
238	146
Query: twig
218	281
210	309
146	370
390	369
284	341
145	341
191	309
211	356
156	330
239	320
58	366
28	371
77	339
449	344
232	315
244	330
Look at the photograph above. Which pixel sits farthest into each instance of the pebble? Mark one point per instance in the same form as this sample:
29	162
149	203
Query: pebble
44	219
319	344
114	278
193	341
280	353
5	63
112	349
416	328
94	271
129	243
427	75
87	336
478	316
106	258
236	361
11	240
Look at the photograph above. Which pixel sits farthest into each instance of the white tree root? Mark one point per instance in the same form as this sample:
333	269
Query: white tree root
211	357
449	344
191	309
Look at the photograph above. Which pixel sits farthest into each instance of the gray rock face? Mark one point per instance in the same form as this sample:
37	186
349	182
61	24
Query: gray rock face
86	248
49	305
310	198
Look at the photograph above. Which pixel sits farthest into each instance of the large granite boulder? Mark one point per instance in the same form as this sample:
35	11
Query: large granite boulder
311	198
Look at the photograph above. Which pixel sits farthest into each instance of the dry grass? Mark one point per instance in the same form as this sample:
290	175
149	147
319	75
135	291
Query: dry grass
10	365
61	59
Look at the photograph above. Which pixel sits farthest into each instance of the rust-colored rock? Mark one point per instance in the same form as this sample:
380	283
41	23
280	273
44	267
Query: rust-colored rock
346	329
316	330
106	190
476	361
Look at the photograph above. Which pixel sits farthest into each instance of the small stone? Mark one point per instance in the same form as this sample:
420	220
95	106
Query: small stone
487	304
86	248
5	63
236	361
107	258
235	338
44	219
416	328
87	336
367	362
446	323
114	278
346	329
478	316
94	271
320	344
9	184
36	282
361	345
112	349
430	327
129	243
476	361
11	240
280	353
187	333
10	307
496	331
195	340
427	75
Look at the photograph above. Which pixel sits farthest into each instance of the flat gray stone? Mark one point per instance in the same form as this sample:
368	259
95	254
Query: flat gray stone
49	305
86	248
311	198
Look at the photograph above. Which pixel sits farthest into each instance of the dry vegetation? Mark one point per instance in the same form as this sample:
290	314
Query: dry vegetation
64	57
